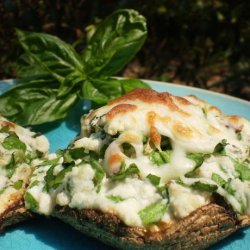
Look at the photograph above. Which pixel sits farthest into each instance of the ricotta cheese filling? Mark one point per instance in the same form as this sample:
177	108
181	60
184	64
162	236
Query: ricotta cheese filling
148	157
18	148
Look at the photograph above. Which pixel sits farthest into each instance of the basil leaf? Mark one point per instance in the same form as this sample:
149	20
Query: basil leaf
49	162
204	187
224	184
115	198
218	179
99	174
198	158
34	183
220	147
243	169
163	191
57	181
12	142
35	102
5	129
115	42
228	187
30	202
71	83
53	181
18	184
153	213
129	84
160	157
49	178
74	154
155	180
27	66
51	53
124	173
100	90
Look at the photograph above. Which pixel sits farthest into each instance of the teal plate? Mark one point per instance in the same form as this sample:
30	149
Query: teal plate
47	234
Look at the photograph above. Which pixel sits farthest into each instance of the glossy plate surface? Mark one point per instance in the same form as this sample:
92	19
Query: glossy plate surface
47	234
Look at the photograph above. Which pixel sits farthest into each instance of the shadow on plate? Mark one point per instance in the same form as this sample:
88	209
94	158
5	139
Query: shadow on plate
60	236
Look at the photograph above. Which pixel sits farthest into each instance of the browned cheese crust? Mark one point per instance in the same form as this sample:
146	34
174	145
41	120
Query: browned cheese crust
201	229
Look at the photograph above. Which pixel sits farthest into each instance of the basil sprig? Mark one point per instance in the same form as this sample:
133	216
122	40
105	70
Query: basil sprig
54	76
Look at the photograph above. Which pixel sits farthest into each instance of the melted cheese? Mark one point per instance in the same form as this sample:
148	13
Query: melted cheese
191	125
15	178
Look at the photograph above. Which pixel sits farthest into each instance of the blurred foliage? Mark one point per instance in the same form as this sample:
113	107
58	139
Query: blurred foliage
202	43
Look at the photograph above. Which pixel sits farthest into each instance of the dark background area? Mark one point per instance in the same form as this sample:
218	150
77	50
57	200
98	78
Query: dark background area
200	43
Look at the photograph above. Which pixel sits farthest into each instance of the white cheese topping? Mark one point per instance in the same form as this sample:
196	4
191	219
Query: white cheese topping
149	149
18	148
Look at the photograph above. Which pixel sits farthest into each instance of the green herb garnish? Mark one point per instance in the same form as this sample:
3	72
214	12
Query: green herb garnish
18	184
123	173
115	198
204	187
34	183
160	157
218	179
31	202
243	169
53	181
155	180
153	213
5	129
12	142
220	147
99	174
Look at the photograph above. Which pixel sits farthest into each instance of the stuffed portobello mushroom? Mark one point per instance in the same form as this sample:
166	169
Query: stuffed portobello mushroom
150	170
19	147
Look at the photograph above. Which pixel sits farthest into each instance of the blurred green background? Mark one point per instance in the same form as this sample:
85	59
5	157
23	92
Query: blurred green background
200	43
